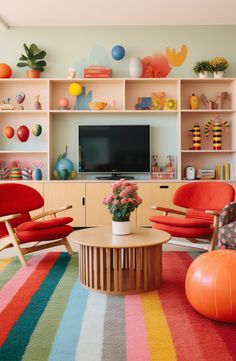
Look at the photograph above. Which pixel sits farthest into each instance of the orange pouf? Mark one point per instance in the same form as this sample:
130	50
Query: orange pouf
5	71
210	285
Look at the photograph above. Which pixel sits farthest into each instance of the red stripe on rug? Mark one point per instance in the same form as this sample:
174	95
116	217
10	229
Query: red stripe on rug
225	331
181	316
22	298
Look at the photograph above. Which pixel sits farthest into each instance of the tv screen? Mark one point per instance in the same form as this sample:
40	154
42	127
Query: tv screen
114	148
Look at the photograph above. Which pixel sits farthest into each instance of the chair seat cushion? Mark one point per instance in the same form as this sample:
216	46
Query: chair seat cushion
181	222
51	223
185	232
48	234
14	222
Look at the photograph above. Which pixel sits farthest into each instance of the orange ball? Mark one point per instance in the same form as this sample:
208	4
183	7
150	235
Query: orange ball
5	71
210	285
8	132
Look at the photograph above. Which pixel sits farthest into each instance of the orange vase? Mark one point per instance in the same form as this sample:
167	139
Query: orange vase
33	74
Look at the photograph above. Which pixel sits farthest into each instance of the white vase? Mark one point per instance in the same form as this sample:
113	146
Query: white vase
135	68
121	228
203	75
218	74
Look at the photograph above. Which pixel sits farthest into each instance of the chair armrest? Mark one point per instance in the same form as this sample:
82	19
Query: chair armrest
52	212
168	210
8	218
213	213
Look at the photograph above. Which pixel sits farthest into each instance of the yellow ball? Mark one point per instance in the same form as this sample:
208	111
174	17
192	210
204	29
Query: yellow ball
75	89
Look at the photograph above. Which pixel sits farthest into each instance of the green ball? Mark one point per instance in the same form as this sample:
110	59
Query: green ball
37	130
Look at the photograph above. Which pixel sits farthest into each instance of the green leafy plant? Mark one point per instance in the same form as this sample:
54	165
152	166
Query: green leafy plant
202	66
33	58
219	64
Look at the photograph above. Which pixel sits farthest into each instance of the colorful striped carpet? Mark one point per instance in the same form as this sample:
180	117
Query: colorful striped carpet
45	314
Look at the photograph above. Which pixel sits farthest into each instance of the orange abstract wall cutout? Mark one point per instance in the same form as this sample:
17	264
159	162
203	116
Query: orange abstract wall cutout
177	58
155	66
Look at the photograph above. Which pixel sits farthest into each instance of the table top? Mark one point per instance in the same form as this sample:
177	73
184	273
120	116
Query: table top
102	237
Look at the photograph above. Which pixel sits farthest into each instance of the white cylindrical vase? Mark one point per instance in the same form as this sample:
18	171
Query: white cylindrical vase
203	75
135	68
218	74
121	228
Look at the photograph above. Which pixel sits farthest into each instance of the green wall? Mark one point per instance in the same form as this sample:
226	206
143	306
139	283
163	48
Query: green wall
81	46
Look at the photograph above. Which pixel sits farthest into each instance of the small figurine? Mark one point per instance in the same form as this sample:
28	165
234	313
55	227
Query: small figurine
7	105
149	71
71	73
143	103
194	102
216	125
20	99
155	163
158	101
196	133
37	105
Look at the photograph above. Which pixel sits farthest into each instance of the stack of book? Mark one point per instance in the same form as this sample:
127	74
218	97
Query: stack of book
225	171
97	71
203	173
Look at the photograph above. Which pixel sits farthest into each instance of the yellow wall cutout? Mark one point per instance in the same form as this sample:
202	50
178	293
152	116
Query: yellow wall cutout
176	58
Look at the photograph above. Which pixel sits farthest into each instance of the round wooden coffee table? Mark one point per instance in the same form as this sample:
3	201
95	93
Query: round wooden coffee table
120	264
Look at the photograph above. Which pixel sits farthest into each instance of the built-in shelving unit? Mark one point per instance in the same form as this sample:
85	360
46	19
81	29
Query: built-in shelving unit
170	127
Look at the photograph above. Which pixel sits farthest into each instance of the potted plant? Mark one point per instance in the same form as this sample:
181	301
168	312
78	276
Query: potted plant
33	59
219	65
202	68
121	202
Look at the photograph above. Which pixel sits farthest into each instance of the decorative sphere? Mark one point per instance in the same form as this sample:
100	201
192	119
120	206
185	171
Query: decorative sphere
64	174
64	102
5	71
37	130
8	132
64	164
23	133
210	285
118	52
75	89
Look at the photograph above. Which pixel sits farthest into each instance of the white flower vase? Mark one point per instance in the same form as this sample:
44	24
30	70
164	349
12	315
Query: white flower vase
203	75
121	228
218	74
135	68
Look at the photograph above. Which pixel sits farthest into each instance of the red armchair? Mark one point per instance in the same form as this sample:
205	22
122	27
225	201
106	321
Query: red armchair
17	227
203	202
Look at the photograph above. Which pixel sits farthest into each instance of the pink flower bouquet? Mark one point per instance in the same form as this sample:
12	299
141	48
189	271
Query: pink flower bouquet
123	200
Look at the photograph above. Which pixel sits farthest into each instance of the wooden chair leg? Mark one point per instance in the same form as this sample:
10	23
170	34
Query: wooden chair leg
68	246
15	243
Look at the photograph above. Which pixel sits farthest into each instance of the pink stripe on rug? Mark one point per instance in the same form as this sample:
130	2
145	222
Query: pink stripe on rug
136	338
15	283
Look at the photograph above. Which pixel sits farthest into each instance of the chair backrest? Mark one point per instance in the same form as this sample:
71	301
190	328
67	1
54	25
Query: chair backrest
204	195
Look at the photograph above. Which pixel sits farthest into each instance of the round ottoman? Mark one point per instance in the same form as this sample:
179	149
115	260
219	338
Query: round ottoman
210	285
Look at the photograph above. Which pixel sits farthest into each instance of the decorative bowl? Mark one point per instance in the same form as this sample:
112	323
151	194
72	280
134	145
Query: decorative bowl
97	105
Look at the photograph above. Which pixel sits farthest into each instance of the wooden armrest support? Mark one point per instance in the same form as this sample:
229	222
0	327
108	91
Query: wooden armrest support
8	218
168	210
213	213
48	213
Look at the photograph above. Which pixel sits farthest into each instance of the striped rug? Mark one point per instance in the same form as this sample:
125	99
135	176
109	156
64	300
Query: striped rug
45	314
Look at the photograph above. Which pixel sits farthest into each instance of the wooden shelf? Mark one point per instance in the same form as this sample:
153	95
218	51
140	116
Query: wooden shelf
209	151
208	111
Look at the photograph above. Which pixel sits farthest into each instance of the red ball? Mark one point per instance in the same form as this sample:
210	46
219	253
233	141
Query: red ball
23	133
8	132
5	71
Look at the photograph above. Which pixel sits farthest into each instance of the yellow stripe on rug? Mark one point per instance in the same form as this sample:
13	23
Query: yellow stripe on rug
4	262
158	334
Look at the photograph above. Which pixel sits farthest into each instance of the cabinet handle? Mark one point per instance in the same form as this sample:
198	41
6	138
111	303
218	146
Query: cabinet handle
83	201
164	187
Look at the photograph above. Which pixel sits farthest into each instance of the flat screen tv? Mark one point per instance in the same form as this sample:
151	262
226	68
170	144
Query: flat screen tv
114	148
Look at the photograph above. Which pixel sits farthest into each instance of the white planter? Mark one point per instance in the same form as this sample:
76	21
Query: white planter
135	68
218	74
121	228
203	75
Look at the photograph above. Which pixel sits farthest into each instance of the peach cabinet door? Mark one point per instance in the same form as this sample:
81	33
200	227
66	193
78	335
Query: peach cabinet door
65	194
39	187
97	214
154	194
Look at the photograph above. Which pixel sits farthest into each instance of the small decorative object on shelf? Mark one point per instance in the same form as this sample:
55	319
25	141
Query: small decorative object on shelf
5	71
205	174
219	65
27	173
163	172
202	68
149	71
226	171
38	105
216	126
15	171
190	172
37	130
97	71
23	133
4	170
8	132
196	134
7	105
33	59
71	73
170	104
121	202
64	168
75	89
194	102
20	97
37	172
64	104
97	105
157	101
143	103
118	52
135	67
219	101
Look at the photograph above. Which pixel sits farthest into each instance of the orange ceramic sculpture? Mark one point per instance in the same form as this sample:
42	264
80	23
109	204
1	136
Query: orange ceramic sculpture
211	285
5	71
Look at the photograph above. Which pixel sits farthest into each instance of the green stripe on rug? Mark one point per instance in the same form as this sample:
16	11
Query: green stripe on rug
53	312
18	339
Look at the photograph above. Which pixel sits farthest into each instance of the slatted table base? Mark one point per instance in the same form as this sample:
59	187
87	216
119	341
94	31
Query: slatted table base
121	270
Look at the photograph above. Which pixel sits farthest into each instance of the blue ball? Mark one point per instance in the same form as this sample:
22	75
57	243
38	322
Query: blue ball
118	52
